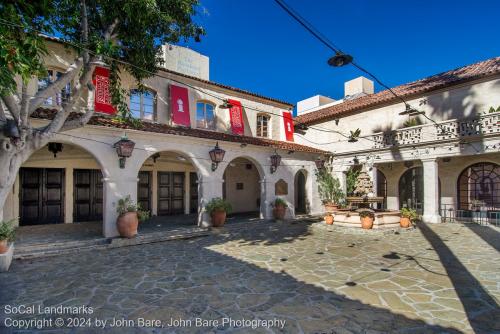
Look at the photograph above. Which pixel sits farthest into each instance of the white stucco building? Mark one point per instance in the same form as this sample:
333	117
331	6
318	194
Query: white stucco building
446	166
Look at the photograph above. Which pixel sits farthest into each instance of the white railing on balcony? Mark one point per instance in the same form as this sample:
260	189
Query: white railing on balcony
453	129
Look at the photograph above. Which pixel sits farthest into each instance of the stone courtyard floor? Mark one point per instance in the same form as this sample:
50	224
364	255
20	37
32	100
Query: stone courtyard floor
434	279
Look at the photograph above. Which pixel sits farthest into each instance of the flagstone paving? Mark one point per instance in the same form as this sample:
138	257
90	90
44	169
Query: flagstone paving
434	279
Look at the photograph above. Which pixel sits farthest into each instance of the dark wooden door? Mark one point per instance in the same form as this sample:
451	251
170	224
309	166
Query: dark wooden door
170	193
41	196
193	192
144	190
87	195
301	193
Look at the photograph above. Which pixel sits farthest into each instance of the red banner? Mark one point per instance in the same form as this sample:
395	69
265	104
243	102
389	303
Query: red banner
102	98
236	116
179	105
288	122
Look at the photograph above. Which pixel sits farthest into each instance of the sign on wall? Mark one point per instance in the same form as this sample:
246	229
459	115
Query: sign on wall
102	98
236	117
281	188
288	122
179	105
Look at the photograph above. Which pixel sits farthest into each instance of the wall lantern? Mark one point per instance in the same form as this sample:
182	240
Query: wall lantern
408	164
226	105
217	156
124	148
10	129
55	148
320	163
340	59
275	161
155	157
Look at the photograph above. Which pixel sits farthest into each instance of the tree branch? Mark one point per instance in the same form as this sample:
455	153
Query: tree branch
56	86
12	104
108	34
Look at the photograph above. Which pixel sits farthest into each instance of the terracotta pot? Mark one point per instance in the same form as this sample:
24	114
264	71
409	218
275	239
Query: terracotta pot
218	218
367	223
127	224
279	212
331	207
4	246
329	219
405	222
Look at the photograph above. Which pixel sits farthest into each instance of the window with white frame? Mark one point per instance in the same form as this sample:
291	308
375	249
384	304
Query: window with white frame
143	104
62	96
263	125
205	115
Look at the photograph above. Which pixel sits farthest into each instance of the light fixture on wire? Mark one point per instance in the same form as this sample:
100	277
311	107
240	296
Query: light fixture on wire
320	163
410	111
340	59
226	105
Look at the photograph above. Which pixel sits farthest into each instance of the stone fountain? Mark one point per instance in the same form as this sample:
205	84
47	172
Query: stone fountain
365	196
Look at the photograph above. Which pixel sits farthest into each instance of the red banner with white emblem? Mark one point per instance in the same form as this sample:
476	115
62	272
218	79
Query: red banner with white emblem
288	122
102	98
179	105
236	117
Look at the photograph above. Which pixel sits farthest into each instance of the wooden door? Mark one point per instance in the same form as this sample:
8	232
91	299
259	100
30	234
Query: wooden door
144	190
170	193
41	196
193	192
87	195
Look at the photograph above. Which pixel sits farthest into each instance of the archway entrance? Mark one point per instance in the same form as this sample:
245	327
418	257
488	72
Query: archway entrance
479	187
242	187
381	189
168	188
301	205
411	189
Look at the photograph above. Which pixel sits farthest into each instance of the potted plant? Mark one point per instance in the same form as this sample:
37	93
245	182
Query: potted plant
7	233
127	220
328	218
367	217
218	208
329	190
142	215
279	208
407	217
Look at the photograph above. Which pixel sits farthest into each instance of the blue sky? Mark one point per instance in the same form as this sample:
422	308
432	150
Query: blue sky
254	45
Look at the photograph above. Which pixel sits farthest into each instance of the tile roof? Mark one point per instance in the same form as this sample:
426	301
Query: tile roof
442	80
106	121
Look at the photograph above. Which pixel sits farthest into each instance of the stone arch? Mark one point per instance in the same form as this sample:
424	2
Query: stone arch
479	185
301	200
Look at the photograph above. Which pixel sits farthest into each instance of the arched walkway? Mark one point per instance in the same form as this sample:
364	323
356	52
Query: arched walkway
478	187
382	188
301	200
242	187
411	189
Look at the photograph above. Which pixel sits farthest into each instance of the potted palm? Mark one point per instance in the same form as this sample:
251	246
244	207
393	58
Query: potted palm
279	208
218	208
127	220
7	233
329	190
367	217
407	217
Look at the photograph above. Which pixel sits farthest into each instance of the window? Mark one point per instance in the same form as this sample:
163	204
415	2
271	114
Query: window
143	104
205	116
60	97
479	187
263	125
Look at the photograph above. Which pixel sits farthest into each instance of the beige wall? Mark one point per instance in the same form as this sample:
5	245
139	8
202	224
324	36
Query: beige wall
243	200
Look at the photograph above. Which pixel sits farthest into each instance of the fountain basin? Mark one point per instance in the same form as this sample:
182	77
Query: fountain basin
383	219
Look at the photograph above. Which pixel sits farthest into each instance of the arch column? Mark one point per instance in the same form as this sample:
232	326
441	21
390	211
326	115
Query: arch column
373	177
265	207
209	187
431	191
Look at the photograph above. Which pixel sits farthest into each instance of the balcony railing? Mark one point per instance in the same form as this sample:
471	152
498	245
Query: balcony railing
453	129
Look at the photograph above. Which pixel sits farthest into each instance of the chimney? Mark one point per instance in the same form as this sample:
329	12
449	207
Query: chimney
358	87
312	103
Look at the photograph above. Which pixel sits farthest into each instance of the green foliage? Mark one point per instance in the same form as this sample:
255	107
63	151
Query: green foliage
126	205
7	230
143	215
414	121
492	109
366	213
218	204
279	202
140	29
351	177
354	135
329	188
409	213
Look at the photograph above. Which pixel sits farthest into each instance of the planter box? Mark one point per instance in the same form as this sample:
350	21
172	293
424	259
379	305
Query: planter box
6	259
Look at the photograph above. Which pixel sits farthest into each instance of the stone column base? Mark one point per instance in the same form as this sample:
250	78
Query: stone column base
6	258
431	219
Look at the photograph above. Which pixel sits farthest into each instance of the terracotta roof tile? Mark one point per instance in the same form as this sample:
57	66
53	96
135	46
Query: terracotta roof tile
189	132
442	80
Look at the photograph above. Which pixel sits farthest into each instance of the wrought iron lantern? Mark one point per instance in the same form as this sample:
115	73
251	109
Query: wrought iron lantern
217	156
226	105
155	157
55	148
124	148
10	129
340	59
275	161
320	163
